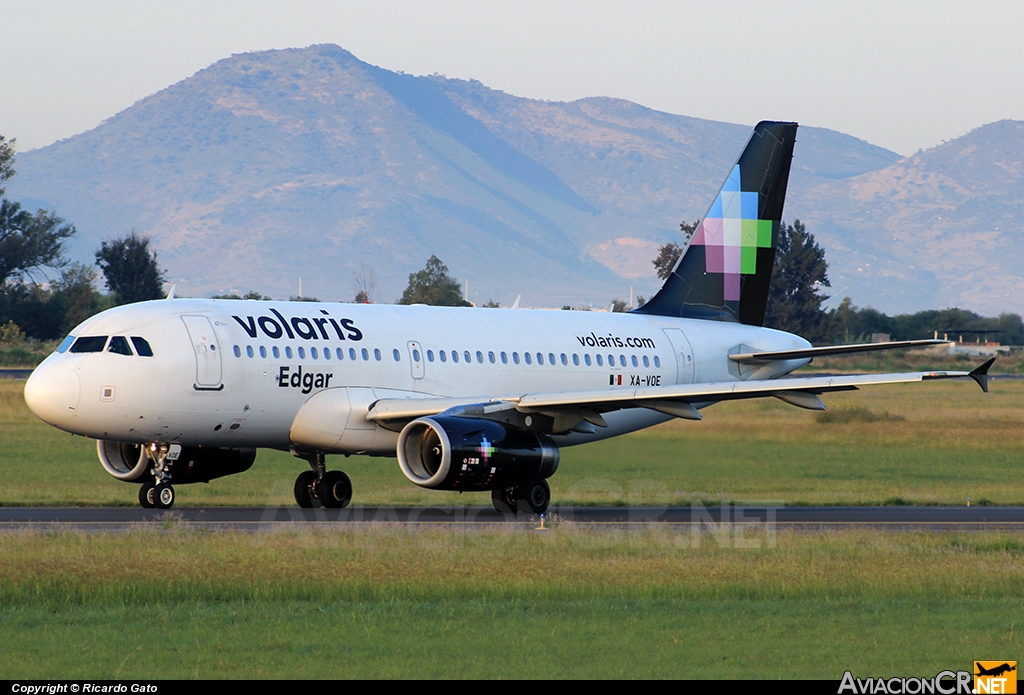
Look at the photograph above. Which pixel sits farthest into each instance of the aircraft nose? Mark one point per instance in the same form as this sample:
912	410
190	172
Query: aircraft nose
52	393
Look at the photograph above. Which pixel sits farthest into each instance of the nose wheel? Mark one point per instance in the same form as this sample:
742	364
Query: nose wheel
157	492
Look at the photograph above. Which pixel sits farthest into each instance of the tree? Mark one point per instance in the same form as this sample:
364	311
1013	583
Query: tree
29	242
434	286
76	295
800	270
668	254
365	284
130	269
6	162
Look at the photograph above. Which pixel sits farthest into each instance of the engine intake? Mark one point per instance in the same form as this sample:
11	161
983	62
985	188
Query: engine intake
455	453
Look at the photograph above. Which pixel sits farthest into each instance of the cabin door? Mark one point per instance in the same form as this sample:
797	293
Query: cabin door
207	350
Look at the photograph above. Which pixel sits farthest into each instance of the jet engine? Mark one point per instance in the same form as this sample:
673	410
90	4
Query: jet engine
122	460
132	463
455	453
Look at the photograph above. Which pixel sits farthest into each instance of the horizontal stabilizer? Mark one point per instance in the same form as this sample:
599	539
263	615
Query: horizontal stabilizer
981	374
763	357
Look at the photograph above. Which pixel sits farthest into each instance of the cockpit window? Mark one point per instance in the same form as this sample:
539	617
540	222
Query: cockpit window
142	346
89	343
65	344
119	345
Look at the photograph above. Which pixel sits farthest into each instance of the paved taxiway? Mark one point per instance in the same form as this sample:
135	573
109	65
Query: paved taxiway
260	518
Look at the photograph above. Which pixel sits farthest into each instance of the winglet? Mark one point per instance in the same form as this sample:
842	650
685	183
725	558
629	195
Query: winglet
170	293
981	375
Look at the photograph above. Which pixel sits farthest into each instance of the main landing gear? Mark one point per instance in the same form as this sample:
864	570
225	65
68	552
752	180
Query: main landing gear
157	492
332	489
530	497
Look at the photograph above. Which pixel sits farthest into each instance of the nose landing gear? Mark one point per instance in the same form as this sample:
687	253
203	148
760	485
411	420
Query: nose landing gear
157	492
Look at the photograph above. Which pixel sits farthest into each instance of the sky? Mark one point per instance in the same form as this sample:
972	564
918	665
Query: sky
902	75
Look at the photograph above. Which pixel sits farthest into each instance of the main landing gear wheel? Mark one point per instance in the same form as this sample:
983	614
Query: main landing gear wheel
147	496
534	496
305	494
335	490
163	496
504	500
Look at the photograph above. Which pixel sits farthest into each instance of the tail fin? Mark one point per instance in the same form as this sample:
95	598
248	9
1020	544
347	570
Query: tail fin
726	270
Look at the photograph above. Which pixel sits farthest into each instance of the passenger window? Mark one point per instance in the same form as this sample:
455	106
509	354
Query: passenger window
119	346
430	355
468	359
142	348
65	344
443	355
327	353
248	350
647	363
263	351
90	344
490	356
634	361
526	356
455	356
586	359
657	361
366	355
479	357
611	360
238	352
575	359
540	358
515	357
276	352
551	359
622	360
313	353
504	358
398	358
288	351
302	353
339	353
352	354
376	354
416	355
600	360
565	361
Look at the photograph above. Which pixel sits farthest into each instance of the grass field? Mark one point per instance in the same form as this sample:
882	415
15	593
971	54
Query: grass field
932	443
378	600
383	601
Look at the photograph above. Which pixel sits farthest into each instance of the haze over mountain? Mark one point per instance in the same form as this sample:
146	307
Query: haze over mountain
269	166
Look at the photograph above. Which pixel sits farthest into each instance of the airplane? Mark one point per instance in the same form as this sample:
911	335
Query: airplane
179	391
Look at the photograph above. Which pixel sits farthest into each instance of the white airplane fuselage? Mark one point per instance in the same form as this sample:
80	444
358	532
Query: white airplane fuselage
234	374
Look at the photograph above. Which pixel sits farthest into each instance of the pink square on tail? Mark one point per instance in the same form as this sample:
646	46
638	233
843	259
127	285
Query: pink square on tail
732	288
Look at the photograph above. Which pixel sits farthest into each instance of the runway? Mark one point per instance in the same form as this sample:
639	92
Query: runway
695	517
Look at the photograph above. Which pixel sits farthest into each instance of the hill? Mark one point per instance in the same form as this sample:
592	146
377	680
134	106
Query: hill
268	166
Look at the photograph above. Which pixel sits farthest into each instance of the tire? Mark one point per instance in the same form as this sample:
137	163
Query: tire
534	496
163	496
503	501
335	490
304	489
146	497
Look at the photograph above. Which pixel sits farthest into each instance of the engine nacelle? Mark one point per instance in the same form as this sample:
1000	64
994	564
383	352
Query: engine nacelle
455	453
122	460
132	463
203	464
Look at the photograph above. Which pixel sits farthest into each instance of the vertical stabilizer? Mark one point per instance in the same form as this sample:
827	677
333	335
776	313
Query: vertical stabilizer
725	272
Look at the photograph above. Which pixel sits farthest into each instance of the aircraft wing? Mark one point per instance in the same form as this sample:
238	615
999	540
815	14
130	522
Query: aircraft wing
675	400
764	357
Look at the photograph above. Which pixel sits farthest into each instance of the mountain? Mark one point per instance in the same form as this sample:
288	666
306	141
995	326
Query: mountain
941	228
266	167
